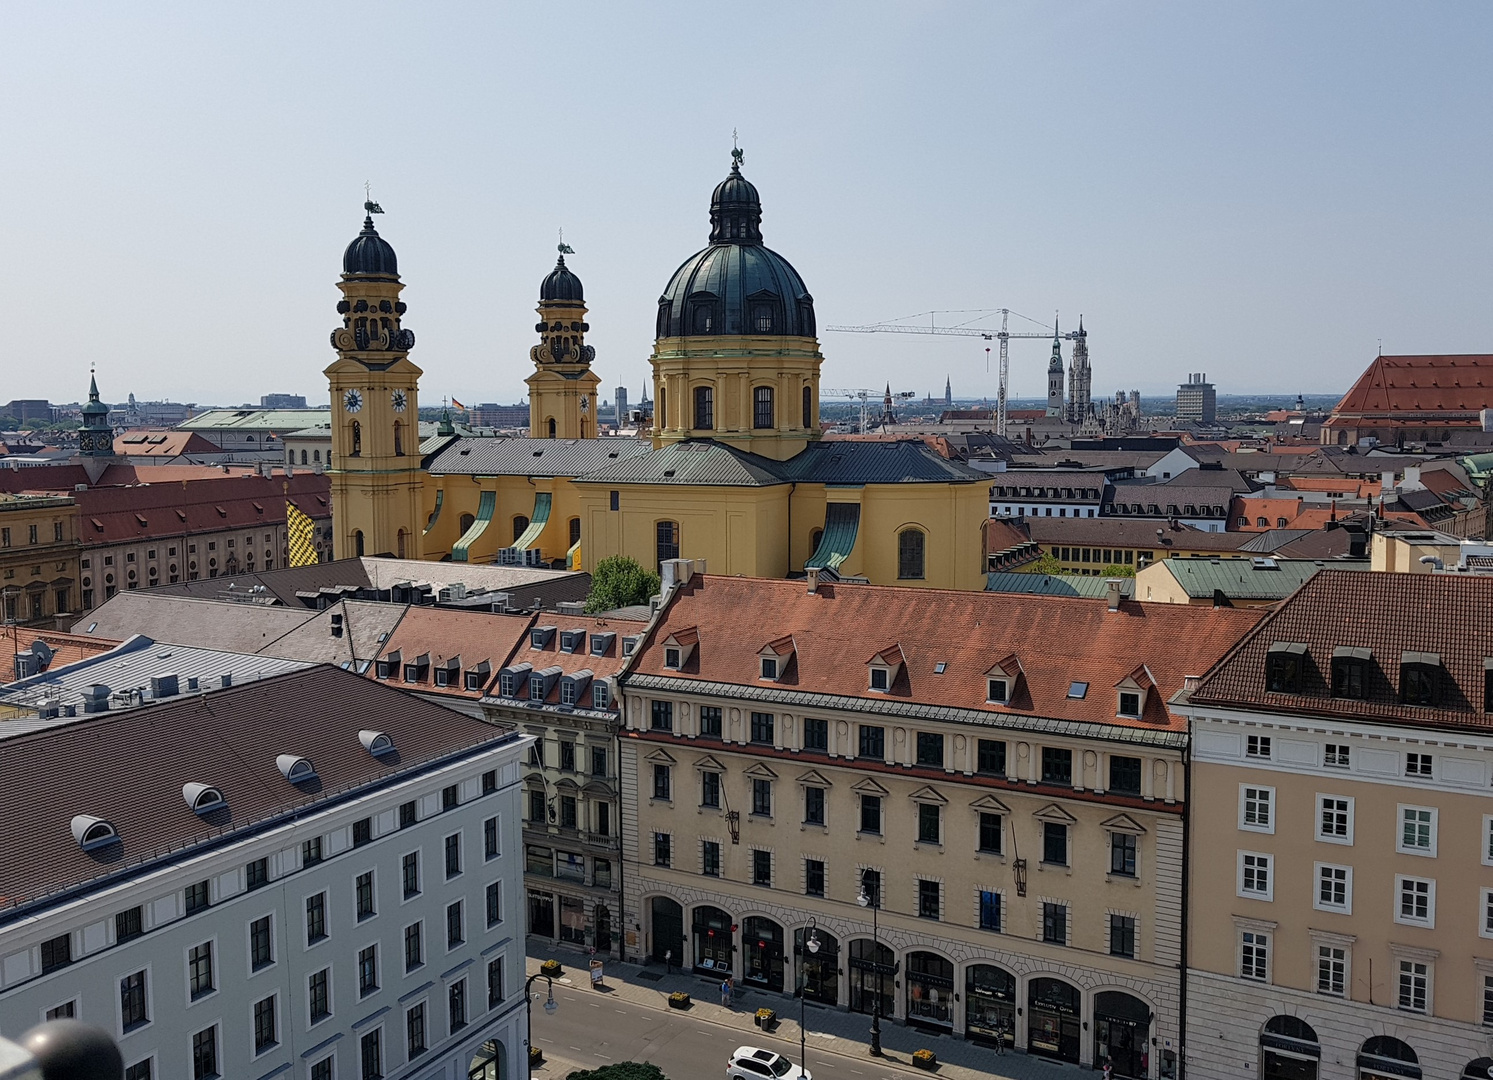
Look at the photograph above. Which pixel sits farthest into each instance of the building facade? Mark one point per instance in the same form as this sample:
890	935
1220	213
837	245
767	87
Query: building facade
1341	904
1197	400
39	552
345	909
999	777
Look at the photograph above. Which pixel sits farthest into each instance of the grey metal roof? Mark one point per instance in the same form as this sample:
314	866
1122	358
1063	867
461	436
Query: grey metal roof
910	710
907	461
520	456
1272	539
1056	585
130	665
1248	579
692	462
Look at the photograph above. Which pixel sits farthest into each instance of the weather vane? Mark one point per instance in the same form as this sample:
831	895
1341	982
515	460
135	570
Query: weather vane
368	203
565	249
736	153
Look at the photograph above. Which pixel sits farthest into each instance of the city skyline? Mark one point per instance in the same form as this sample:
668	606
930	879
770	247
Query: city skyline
1260	194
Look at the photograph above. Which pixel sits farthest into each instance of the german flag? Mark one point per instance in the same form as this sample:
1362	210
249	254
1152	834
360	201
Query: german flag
458	404
299	530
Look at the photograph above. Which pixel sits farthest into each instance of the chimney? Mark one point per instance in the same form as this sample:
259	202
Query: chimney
1112	593
1487	418
337	625
1386	482
813	576
96	698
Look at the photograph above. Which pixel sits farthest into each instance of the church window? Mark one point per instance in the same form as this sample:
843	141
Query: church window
552	427
668	540
663	411
762	318
910	554
808	407
401	544
358	542
357	438
762	407
704	408
704	319
466	523
303	456
520	523
575	531
398	439
315	456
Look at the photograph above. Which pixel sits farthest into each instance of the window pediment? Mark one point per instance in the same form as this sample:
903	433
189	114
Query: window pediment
660	757
1054	812
814	778
1008	667
709	763
990	804
567	785
1124	823
1139	679
534	779
868	787
760	771
928	794
597	790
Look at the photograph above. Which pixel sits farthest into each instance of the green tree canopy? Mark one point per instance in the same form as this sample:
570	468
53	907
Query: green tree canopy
1047	564
621	1070
1116	570
618	581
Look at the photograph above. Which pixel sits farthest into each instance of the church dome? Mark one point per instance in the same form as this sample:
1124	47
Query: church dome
370	253
561	285
736	285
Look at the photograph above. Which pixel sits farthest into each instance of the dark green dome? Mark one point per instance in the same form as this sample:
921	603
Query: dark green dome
561	285
737	285
370	254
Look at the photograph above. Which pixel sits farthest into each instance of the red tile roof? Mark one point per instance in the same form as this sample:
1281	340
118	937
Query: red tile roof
1396	385
65	478
1390	614
445	634
1056	640
160	443
66	648
113	515
601	667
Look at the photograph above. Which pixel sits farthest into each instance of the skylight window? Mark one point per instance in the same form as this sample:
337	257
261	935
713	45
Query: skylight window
1078	690
940	667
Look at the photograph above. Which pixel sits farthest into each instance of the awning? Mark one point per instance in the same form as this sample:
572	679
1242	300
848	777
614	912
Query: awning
536	523
435	515
485	507
841	523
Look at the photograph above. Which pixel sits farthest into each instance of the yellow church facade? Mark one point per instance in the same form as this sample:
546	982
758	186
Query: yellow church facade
735	472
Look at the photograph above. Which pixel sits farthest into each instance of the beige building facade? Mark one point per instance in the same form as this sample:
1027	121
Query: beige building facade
38	559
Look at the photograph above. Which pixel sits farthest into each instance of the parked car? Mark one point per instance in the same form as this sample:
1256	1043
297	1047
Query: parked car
753	1063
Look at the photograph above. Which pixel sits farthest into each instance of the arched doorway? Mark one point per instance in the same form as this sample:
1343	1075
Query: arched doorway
762	941
713	939
668	930
1053	1010
489	1063
1289	1049
1386	1058
603	921
819	972
873	968
990	1004
1122	1033
1480	1069
930	990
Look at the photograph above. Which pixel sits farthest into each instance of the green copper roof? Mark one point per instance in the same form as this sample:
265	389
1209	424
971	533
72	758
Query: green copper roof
485	507
1055	585
536	523
841	523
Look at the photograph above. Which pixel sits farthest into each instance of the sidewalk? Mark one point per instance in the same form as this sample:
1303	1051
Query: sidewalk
830	1030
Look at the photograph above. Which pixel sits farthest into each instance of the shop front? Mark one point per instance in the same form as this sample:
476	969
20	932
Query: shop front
1385	1057
1122	1034
712	937
990	1004
1289	1049
930	990
489	1063
819	972
1053	1019
873	974
762	941
573	920
668	931
603	941
541	914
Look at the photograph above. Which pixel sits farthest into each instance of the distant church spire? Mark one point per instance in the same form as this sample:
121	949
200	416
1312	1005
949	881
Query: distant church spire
948	391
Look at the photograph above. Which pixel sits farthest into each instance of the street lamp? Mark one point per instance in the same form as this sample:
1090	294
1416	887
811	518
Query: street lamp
550	1005
812	945
864	899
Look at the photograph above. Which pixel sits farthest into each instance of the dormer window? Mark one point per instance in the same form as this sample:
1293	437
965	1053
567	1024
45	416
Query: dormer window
601	644
672	658
601	695
629	644
770	667
202	798
1131	693
1284	664
295	769
541	636
997	691
388	667
1350	672
1129	703
93	832
881	678
477	676
1420	678
1000	680
448	672
677	647
572	640
883	668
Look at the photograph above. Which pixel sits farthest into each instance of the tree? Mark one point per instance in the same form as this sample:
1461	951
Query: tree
1116	570
1047	564
619	581
621	1070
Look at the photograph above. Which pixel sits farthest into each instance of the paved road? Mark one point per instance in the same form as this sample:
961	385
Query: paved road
591	1029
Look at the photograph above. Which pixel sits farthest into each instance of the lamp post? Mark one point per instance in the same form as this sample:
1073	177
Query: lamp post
864	899
811	944
550	1005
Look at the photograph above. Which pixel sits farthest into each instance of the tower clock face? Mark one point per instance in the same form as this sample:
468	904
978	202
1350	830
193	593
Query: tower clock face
352	401
585	404
399	400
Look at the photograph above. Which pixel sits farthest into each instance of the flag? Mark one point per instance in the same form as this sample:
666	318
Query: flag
298	530
458	404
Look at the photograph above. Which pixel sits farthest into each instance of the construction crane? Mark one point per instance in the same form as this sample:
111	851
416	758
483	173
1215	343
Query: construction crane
1003	335
862	395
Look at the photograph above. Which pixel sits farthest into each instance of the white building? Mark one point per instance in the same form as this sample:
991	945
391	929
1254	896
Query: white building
316	876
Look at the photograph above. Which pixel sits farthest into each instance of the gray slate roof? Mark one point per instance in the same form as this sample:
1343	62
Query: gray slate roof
1247	579
692	462
910	461
1056	585
504	456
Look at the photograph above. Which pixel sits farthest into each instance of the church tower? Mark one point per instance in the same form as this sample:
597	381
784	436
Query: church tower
377	484
562	390
735	356
1055	377
1080	378
95	435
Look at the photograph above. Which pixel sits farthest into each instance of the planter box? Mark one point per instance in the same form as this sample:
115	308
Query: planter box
925	1059
551	968
536	1056
765	1019
679	1000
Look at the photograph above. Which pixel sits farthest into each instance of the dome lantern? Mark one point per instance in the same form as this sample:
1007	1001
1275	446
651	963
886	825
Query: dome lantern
370	255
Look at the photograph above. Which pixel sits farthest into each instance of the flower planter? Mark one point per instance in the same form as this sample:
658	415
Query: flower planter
679	1000
765	1019
536	1056
925	1059
551	968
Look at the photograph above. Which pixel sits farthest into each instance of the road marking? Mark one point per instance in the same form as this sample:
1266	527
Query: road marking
622	1011
577	1049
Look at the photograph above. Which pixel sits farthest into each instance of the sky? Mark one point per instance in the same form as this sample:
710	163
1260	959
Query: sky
1266	192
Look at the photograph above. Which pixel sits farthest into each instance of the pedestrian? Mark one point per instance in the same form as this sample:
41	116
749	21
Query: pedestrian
1109	1071
726	991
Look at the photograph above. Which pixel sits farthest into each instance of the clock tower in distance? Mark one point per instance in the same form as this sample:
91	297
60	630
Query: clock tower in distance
562	390
377	485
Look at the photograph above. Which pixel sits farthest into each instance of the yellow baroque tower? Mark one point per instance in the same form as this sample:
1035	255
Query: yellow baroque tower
562	390
735	356
377	483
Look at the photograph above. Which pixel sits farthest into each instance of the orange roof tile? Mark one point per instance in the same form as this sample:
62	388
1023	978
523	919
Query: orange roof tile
1059	641
447	634
1394	385
66	648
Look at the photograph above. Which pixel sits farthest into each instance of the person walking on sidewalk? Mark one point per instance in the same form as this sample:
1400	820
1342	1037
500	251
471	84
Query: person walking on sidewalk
726	989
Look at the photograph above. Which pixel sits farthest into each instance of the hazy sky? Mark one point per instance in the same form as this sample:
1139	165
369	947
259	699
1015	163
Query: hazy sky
1260	191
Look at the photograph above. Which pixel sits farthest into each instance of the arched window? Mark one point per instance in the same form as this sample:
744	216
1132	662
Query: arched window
1289	1049
910	554
520	523
466	523
303	456
551	427
808	407
704	408
315	456
662	410
358	542
357	438
398	438
575	531
1385	1054
814	538
762	415
667	546
400	548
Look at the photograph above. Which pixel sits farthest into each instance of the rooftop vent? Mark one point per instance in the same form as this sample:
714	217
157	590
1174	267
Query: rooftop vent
202	797
295	769
337	625
96	698
164	686
376	742
225	680
93	832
